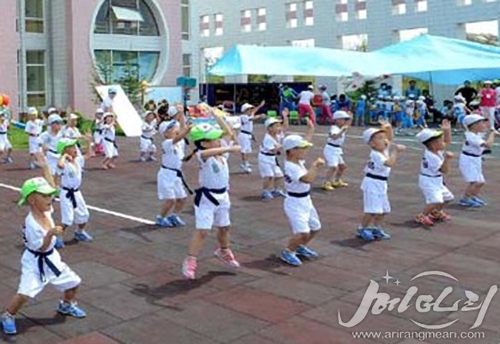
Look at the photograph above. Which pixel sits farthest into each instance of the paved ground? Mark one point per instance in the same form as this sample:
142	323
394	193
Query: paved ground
133	292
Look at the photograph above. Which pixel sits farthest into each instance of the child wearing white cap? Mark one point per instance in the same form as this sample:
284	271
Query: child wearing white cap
34	127
333	151
41	264
97	130
5	146
269	168
420	114
171	183
148	148
245	137
49	139
109	141
299	209
435	164
470	161
71	131
460	110
377	170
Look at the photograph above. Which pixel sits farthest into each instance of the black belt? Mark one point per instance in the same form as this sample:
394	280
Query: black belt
70	194
208	194
179	175
53	151
33	135
334	145
267	154
428	175
147	138
299	195
470	154
99	131
112	141
246	132
43	257
3	133
374	176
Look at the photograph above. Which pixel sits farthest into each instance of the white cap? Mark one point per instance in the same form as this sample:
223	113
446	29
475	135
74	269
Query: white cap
427	134
164	126
246	107
487	82
368	133
473	119
147	113
295	141
458	97
32	111
54	119
100	111
172	111
421	98
420	102
52	110
363	96
271	121
396	97
341	115
311	87
73	116
108	114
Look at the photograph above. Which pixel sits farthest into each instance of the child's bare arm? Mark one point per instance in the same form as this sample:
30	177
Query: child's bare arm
313	171
445	167
491	139
387	127
446	127
310	130
284	114
41	160
393	157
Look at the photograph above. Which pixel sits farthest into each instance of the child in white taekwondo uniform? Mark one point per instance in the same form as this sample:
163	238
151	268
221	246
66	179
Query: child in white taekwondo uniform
49	140
435	164
333	151
34	127
41	263
298	206
470	161
5	146
171	183
109	141
269	167
69	172
98	129
245	137
148	147
212	204
374	185
70	131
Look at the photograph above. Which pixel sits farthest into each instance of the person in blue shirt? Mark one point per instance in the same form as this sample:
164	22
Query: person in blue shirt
343	104
359	118
288	96
413	90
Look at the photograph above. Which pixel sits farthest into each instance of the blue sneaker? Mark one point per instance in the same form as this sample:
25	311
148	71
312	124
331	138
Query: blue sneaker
163	222
266	195
83	236
306	252
469	202
176	221
365	234
479	201
71	309
380	234
59	243
9	324
290	258
278	193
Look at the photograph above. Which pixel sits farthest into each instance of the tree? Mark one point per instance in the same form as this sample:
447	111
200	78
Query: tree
483	38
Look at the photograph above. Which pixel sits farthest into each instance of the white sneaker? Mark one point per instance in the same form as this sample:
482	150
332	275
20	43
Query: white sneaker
142	159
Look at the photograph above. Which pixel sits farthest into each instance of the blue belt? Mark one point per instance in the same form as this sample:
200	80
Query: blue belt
374	176
179	175
470	154
70	194
208	194
299	195
43	257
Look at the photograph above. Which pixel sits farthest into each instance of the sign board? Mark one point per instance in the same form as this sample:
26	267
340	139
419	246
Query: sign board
126	115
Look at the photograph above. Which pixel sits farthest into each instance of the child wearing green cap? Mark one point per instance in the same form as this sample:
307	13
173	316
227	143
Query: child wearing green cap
41	263
212	202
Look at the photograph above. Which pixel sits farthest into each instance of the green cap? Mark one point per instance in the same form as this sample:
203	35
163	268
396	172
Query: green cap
39	185
205	132
65	143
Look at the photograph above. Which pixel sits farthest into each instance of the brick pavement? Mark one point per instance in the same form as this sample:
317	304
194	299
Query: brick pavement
133	292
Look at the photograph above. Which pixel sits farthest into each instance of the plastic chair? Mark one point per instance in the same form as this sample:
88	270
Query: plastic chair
293	117
272	114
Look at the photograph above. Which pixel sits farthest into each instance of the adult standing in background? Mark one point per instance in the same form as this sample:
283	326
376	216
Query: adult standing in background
326	112
107	103
467	91
488	102
413	91
305	98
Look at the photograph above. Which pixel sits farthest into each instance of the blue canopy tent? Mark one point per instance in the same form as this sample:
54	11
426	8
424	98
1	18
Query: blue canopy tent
441	60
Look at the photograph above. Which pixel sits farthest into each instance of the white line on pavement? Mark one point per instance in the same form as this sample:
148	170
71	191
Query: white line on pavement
99	210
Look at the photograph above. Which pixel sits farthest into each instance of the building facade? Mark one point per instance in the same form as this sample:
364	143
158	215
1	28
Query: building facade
53	49
343	24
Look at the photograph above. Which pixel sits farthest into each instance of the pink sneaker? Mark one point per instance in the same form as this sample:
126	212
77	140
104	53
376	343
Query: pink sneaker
227	257
424	220
189	268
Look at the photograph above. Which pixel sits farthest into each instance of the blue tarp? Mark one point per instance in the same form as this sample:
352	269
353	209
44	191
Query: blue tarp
442	60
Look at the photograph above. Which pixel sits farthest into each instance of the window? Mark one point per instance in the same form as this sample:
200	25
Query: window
261	19
186	65
341	11
186	25
115	64
303	43
291	15
398	7
406	35
360	8
219	24
464	2
205	26
35	78
34	16
126	17
420	5
355	42
308	13
246	21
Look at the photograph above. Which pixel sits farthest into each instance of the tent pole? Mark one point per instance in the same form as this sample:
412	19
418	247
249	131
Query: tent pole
431	88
